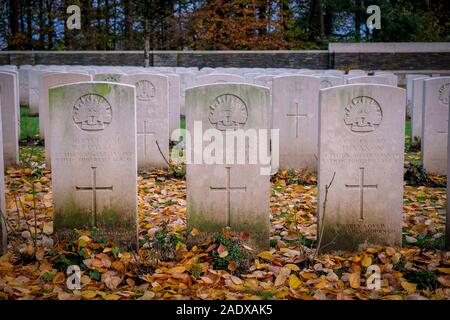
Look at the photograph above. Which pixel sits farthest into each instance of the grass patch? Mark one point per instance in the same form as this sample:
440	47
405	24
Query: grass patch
29	126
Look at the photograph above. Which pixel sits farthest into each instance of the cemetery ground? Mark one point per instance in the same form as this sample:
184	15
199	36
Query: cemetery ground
172	264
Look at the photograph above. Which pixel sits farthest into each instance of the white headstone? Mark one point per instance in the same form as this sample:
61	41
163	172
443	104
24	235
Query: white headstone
224	193
409	91
10	117
265	81
35	86
24	79
218	78
187	80
94	165
108	77
447	220
3	230
435	125
295	102
152	119
48	81
381	79
361	152
327	81
417	108
174	101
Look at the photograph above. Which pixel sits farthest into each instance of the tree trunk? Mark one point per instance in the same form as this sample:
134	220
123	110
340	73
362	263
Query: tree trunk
29	19
50	28
41	23
129	24
107	25
358	20
14	23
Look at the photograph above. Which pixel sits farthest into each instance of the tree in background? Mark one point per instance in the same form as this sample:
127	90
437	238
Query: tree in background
216	24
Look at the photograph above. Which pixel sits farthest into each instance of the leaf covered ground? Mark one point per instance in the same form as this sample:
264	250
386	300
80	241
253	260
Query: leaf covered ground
170	266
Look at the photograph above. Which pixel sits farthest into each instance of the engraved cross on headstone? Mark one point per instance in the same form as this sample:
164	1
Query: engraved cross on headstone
361	186
94	188
297	115
145	133
228	189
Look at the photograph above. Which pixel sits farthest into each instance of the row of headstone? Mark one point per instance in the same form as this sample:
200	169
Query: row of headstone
9	137
435	115
10	117
429	116
361	135
152	96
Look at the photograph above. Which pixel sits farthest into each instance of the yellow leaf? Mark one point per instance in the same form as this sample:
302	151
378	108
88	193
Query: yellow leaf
6	266
444	270
393	297
355	280
374	250
308	275
266	255
409	287
322	284
111	297
194	232
292	267
84	238
294	281
89	294
179	269
366	261
179	246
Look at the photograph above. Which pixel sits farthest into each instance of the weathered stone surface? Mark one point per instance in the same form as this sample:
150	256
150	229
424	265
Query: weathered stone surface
94	165
295	113
409	91
327	81
361	160
228	194
381	79
152	119
10	117
3	231
48	81
109	77
435	124
218	78
174	101
447	220
417	109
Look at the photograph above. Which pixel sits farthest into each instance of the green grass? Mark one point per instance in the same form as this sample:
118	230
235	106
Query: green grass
183	122
408	134
29	125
